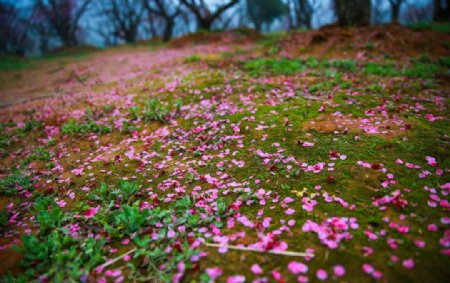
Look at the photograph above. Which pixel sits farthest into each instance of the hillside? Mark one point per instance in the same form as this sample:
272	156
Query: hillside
319	155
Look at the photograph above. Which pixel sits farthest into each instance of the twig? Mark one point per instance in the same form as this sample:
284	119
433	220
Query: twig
108	263
286	253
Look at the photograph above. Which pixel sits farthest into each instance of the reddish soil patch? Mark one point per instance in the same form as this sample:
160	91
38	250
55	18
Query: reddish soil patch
385	127
394	40
233	36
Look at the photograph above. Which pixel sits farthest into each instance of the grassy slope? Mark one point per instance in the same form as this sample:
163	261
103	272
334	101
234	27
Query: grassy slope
271	101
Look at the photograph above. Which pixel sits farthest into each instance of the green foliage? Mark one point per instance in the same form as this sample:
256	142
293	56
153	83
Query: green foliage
5	140
13	64
380	69
127	220
124	192
444	61
16	182
60	257
265	12
192	59
421	70
32	125
40	153
4	217
178	104
155	111
72	127
157	257
134	113
47	214
274	66
345	65
440	27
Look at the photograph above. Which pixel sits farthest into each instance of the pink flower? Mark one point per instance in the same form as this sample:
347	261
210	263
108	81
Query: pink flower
377	274
289	211
61	203
256	269
236	279
432	227
408	263
171	234
276	275
77	171
339	270
113	273
214	272
431	161
367	268
321	274
90	212
297	267
288	200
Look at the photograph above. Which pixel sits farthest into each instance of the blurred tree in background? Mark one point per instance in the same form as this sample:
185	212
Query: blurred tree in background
264	12
41	25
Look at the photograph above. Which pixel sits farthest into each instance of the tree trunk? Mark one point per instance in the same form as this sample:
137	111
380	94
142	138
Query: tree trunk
395	12
353	13
205	24
168	29
441	14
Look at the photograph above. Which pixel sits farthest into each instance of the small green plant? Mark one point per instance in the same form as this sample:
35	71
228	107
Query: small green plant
134	112
59	257
313	62
421	70
381	69
192	59
444	61
285	187
440	27
72	127
155	111
47	214
4	217
345	65
40	153
5	140
15	183
274	66
124	192
178	104
127	220
370	45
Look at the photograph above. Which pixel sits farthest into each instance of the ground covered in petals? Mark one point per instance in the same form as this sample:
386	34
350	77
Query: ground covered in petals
230	157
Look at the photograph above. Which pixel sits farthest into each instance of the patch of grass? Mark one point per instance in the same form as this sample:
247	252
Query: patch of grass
440	27
40	153
47	214
124	192
14	64
60	257
421	70
192	59
274	66
444	61
15	183
345	65
381	69
155	111
4	217
73	127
